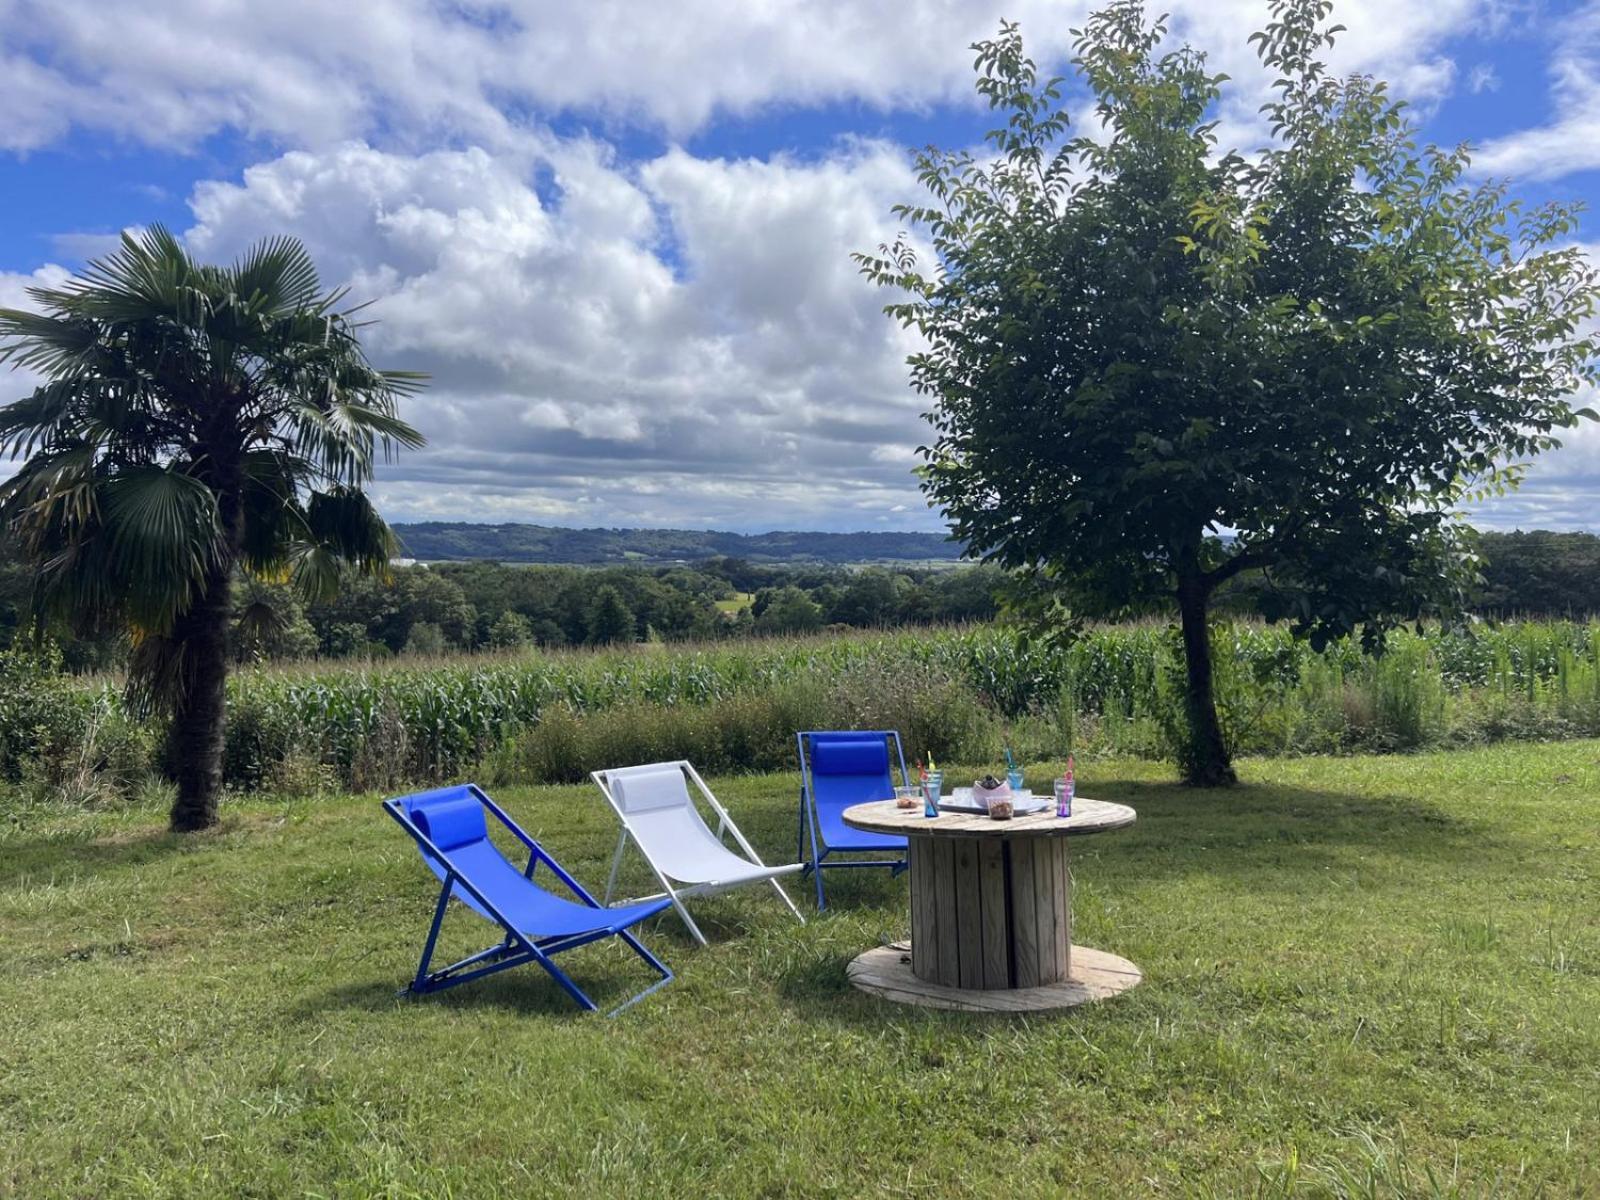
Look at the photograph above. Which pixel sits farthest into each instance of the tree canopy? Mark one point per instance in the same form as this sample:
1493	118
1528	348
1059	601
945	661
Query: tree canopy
1154	365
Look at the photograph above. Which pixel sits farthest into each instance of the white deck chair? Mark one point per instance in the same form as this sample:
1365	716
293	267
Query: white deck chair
688	859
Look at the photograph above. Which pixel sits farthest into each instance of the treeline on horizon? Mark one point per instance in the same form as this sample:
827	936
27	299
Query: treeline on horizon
438	541
451	607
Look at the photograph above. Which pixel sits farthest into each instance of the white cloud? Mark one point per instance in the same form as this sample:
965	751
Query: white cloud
1570	141
415	73
682	341
679	340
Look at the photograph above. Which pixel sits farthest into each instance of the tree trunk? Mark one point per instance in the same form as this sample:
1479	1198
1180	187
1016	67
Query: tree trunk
1205	761
200	718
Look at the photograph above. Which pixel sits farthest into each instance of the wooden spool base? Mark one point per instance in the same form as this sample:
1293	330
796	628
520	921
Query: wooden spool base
1096	975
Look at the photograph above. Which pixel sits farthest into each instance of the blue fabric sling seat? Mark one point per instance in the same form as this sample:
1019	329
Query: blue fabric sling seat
458	827
846	771
839	769
451	830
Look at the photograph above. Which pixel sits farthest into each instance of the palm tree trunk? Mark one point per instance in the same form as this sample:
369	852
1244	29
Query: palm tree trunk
1205	760
200	718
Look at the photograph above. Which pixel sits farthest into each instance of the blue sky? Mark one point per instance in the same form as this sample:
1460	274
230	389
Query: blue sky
617	233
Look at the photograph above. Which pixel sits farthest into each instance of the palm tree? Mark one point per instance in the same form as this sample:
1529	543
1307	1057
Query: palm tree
194	421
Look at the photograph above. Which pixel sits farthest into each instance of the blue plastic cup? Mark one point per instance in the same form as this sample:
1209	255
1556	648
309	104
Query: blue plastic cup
1014	779
930	793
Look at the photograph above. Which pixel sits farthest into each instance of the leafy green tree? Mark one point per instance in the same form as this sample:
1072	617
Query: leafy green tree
789	610
610	619
425	640
194	420
1153	366
1540	573
511	631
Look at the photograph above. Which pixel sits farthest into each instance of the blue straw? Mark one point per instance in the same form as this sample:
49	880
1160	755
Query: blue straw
1010	762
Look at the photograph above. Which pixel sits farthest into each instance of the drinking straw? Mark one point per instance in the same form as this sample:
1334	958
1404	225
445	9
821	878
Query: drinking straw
1011	763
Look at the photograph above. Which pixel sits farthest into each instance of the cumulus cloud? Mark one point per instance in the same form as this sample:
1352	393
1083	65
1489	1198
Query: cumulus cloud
415	72
682	340
676	339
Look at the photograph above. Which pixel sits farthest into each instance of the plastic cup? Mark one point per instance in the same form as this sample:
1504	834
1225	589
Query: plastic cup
930	793
1014	779
1063	798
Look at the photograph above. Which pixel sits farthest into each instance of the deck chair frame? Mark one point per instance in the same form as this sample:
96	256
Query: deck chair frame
810	821
515	948
725	825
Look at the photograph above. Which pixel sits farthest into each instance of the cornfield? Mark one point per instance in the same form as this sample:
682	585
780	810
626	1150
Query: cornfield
958	693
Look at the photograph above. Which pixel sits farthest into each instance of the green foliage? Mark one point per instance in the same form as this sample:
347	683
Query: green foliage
511	631
193	421
1137	341
787	610
957	693
610	619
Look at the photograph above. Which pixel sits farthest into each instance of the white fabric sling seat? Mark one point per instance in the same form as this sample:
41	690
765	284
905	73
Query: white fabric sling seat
659	815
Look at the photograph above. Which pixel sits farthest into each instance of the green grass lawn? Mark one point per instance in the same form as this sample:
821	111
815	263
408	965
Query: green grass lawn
1357	972
736	603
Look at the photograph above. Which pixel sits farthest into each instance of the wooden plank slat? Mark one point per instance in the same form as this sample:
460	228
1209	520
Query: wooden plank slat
1024	914
1088	816
944	903
924	931
1064	929
969	913
1044	909
994	927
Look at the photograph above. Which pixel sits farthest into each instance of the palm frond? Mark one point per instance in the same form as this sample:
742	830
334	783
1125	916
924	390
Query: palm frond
315	571
155	674
345	521
276	275
165	539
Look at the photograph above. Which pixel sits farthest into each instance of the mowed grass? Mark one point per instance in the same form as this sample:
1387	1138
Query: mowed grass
1374	976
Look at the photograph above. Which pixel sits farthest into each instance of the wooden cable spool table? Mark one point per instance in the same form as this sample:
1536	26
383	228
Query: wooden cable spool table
991	912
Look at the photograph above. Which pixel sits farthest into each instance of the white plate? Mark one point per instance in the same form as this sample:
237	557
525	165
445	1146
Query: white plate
1022	802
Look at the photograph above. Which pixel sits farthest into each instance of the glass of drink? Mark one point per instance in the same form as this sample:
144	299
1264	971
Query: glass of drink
1014	779
930	793
1063	795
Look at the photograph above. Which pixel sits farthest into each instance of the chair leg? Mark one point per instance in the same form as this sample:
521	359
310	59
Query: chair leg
687	919
639	949
616	865
822	901
779	887
561	977
800	841
433	937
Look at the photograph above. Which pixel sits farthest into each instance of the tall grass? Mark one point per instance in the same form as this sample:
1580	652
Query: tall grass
957	693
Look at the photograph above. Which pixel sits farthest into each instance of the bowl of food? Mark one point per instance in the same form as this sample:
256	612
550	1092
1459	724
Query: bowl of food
994	796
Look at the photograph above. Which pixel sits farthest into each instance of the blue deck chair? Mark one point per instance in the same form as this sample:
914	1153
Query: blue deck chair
838	769
449	828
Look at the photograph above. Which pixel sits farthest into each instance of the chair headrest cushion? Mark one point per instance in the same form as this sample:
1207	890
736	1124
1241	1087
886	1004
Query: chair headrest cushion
849	756
640	789
451	823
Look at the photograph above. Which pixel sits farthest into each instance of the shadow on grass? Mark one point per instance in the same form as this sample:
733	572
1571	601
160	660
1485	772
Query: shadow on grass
607	974
1259	829
95	852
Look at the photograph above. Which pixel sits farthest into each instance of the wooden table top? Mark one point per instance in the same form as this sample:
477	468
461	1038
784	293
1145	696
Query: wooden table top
1088	816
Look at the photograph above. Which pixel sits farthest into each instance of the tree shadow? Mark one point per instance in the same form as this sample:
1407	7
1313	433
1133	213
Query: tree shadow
1256	829
96	852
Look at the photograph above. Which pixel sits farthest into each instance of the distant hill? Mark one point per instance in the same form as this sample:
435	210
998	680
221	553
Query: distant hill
434	541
